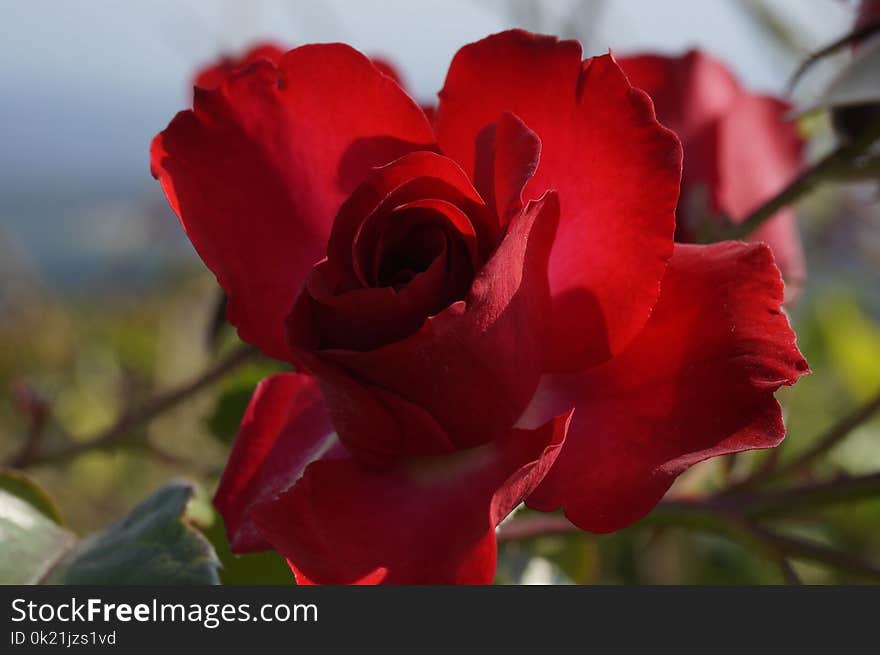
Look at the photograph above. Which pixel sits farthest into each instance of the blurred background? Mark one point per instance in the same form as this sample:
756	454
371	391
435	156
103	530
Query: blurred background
103	301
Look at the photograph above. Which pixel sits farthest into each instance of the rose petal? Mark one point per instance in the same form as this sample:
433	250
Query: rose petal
616	170
507	158
363	319
377	238
422	521
258	169
392	71
475	366
389	69
376	422
213	75
414	177
689	92
284	428
782	234
697	382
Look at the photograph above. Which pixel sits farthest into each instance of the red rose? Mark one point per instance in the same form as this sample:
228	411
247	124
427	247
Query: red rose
450	294
739	150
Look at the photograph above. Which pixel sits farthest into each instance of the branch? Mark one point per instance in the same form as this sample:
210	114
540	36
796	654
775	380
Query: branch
830	49
810	550
839	164
779	548
735	517
788	573
38	412
833	436
534	526
805	497
700	515
837	433
122	428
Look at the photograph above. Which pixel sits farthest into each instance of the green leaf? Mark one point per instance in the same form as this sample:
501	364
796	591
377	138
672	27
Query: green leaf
29	491
30	541
226	417
263	568
266	568
152	545
229	409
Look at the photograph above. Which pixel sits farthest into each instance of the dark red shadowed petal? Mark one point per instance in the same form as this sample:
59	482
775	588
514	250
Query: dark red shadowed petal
438	221
507	158
422	521
616	169
474	367
379	424
258	169
414	177
367	318
696	383
212	76
284	428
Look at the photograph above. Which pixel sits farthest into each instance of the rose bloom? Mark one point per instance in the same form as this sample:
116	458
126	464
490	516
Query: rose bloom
482	310
739	150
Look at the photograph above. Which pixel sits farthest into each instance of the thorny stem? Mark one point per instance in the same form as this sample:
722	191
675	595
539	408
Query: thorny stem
795	547
788	573
36	409
124	426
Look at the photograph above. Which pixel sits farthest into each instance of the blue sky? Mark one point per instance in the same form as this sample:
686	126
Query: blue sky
85	85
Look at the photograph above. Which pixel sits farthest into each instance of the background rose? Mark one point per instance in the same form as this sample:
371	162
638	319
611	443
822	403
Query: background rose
740	150
215	73
444	303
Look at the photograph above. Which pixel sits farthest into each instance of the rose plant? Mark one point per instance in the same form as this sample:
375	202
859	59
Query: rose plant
483	308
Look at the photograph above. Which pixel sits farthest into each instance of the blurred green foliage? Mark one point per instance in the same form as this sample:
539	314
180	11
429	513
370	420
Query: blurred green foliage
235	393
